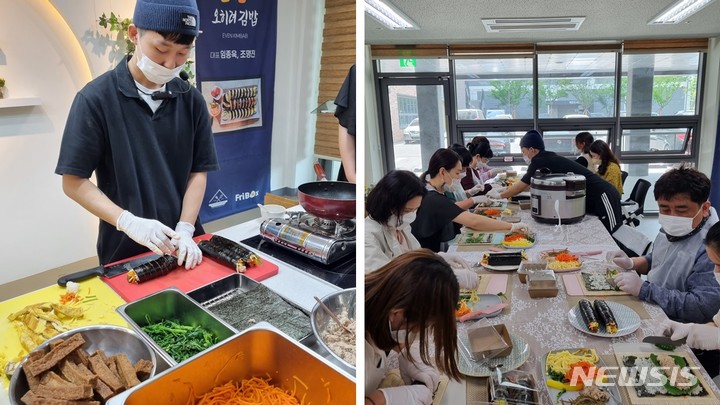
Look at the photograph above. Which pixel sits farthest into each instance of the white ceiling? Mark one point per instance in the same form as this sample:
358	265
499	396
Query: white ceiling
459	21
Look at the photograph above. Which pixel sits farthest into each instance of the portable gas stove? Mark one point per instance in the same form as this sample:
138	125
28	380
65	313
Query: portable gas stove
323	240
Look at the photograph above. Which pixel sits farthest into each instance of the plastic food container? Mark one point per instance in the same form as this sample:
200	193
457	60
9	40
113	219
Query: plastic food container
484	342
527	267
542	283
513	395
261	351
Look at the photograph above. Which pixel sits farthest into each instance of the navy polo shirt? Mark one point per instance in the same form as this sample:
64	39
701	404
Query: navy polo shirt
142	161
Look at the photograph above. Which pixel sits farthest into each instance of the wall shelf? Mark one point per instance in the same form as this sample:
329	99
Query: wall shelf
19	102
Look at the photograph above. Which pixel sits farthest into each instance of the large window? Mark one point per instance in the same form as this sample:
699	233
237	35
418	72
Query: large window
576	85
496	88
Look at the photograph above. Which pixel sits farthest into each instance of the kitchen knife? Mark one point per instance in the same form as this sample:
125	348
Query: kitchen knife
664	340
106	271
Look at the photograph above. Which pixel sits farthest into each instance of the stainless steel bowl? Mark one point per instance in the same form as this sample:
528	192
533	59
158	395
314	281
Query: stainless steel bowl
110	339
320	320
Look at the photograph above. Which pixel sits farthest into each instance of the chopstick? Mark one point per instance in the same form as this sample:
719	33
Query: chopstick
332	314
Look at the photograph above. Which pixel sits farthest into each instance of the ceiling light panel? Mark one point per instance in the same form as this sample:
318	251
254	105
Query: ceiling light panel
532	24
388	15
678	11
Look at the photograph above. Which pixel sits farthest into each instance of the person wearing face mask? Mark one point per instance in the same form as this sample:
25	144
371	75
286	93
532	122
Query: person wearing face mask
583	140
399	320
146	136
433	226
703	337
392	206
679	272
608	166
481	153
601	198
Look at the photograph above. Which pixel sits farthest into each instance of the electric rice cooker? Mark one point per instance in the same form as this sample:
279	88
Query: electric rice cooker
568	190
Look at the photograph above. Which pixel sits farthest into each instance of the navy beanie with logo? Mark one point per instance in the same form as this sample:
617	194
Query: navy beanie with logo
532	139
175	16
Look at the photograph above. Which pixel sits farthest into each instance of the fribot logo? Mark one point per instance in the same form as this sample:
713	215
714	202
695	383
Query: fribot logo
218	200
246	195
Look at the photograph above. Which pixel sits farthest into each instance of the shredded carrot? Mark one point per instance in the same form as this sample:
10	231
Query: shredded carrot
462	309
566	257
253	391
69	297
492	212
513	237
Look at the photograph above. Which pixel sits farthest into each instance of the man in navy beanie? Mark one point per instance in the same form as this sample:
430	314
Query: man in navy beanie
146	135
601	199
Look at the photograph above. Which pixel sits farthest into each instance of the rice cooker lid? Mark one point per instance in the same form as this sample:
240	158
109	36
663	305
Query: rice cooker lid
557	179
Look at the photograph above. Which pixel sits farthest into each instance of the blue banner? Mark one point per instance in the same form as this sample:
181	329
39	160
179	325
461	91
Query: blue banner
235	68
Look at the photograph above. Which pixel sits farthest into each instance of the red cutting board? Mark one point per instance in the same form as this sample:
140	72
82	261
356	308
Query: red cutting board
185	280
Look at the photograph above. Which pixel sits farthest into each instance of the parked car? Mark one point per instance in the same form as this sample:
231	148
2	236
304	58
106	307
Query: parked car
470	115
492	114
571	116
411	133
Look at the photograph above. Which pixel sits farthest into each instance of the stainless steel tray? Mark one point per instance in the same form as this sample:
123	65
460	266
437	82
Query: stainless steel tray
171	303
235	285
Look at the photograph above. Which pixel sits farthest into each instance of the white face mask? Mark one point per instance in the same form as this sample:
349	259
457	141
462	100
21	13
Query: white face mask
717	277
527	159
676	226
155	72
401	334
462	176
404	222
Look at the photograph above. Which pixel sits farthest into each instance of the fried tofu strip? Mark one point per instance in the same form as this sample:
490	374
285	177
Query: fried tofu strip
53	357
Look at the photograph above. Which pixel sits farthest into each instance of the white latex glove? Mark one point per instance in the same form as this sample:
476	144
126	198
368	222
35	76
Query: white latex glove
480	199
188	251
520	227
455	261
629	281
620	259
494	194
703	337
467	279
148	232
675	330
407	394
476	189
498	188
418	371
495	171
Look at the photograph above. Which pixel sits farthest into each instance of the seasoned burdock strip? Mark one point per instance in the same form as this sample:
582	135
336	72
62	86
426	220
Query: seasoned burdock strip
102	390
126	371
99	367
54	356
53	380
72	392
53	401
143	368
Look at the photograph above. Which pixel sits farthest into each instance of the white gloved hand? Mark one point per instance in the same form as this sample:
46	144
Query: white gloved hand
478	188
467	279
148	232
478	199
675	330
188	251
520	227
408	394
629	281
494	194
703	337
455	261
495	171
620	259
418	371
498	188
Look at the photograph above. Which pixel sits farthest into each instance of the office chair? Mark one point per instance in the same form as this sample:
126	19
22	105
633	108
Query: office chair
623	175
637	197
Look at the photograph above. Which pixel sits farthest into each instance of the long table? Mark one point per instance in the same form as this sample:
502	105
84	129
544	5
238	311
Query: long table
543	322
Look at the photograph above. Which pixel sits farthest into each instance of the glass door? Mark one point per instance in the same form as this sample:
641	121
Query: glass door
415	121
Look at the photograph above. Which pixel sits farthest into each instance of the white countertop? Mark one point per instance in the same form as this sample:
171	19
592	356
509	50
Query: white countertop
293	284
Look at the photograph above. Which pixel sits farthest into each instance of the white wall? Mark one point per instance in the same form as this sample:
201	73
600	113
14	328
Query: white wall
55	48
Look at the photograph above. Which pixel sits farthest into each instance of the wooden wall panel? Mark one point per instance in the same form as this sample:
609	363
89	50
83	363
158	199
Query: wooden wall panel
338	54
